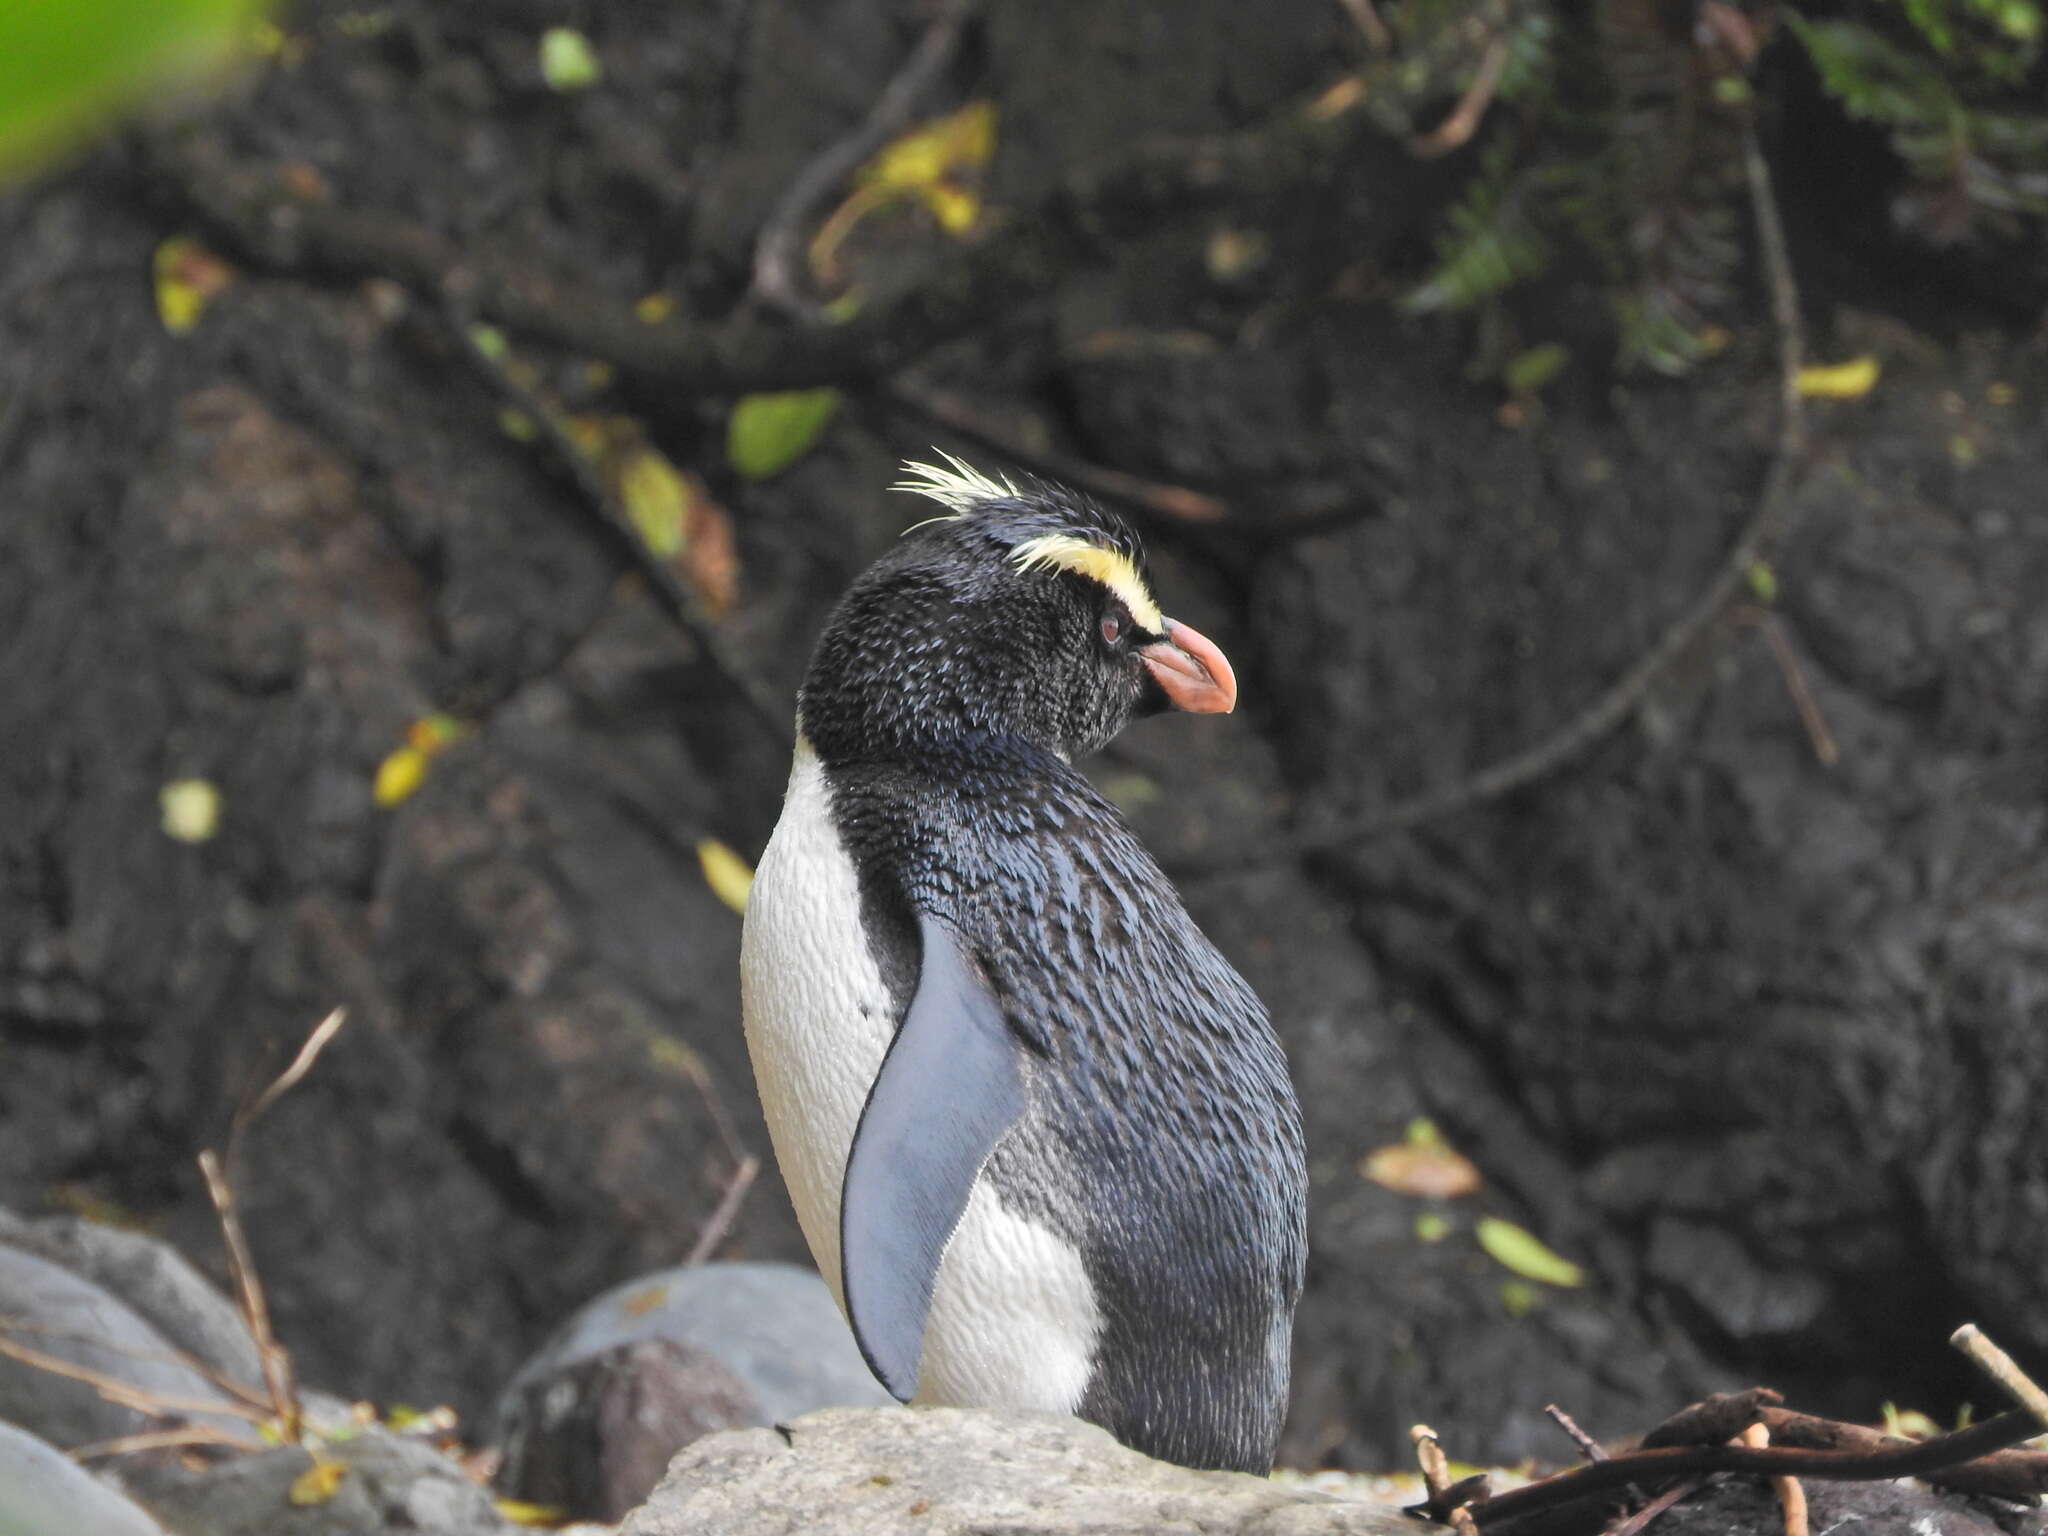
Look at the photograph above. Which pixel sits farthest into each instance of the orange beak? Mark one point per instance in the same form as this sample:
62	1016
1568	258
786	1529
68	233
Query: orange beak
1194	673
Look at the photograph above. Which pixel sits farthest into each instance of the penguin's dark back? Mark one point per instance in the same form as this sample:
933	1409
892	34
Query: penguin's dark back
1164	1140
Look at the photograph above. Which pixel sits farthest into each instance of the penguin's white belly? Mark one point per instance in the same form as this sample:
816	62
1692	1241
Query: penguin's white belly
1013	1320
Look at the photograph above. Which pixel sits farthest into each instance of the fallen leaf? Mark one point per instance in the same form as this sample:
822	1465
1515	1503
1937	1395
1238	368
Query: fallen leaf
934	151
188	278
726	873
654	308
402	772
190	809
1518	1298
1909	1423
640	1303
1763	581
1432	1227
1522	1252
1840	381
567	61
318	1483
767	433
711	555
656	500
519	1512
1424	1164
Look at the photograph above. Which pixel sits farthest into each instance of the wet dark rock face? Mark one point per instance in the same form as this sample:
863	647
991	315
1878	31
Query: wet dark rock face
1757	1039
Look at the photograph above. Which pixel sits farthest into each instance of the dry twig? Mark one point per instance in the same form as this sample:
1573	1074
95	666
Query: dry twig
1590	1448
1466	116
156	1404
250	1300
1817	733
1448	1501
2003	1369
318	1041
1791	1497
191	1436
671	593
719	1223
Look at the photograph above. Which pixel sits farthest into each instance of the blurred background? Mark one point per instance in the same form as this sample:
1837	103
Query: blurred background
433	434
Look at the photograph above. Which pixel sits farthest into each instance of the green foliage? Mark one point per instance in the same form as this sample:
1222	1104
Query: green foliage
1949	85
1619	145
768	433
1489	242
67	67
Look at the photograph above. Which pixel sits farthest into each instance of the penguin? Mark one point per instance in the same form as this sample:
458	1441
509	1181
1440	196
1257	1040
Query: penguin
1039	1134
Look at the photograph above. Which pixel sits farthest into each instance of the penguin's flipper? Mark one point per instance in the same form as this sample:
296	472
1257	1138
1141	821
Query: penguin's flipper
949	1088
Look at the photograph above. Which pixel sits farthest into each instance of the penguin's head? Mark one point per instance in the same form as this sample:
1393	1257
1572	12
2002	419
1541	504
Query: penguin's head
1025	610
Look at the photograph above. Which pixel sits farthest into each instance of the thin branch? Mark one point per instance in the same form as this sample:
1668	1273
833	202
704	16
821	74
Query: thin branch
2003	1369
1635	1524
1590	1448
157	1404
1171	503
775	253
249	1297
671	593
1810	716
1770	521
1367	17
240	1391
1448	1501
289	1078
969	283
1457	129
1791	1496
192	1435
1654	1465
720	1222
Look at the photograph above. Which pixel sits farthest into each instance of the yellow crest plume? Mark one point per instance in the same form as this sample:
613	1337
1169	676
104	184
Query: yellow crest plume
1112	567
957	485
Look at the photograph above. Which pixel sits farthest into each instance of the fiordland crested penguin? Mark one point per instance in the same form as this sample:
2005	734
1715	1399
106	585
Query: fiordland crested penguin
1039	1134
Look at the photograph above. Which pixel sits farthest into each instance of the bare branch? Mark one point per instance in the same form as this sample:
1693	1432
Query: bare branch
249	1298
775	253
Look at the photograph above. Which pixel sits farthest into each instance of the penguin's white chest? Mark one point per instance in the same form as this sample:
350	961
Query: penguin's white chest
1013	1320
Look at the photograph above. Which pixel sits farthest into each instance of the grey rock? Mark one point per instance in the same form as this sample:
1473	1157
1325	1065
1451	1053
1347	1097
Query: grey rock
44	1493
951	1471
595	1437
391	1485
50	1309
151	1277
774	1326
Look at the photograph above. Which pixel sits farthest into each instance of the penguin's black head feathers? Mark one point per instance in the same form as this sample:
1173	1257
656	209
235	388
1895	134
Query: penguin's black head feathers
1025	611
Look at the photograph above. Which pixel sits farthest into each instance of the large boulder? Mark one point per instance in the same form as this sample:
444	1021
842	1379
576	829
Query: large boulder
949	1471
43	1492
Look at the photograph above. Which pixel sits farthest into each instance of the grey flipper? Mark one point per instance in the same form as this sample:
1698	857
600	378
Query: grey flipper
949	1088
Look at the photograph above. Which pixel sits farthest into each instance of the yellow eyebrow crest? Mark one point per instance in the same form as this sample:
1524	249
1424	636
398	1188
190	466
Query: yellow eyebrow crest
1111	567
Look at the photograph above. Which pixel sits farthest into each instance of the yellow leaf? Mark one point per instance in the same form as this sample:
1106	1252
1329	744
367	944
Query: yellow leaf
1840	381
1523	1253
928	154
656	500
490	341
567	61
1909	1423
726	873
655	308
1518	1298
1763	581
190	808
767	433
318	1483
519	1512
954	207
398	776
640	1303
188	277
1423	1165
1431	1227
517	425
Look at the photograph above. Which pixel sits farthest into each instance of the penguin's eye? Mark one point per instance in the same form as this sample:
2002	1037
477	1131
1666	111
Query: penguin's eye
1113	625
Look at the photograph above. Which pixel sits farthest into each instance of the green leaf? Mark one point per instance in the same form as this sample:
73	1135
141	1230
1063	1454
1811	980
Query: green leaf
567	61
768	433
68	67
1523	1253
1527	372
